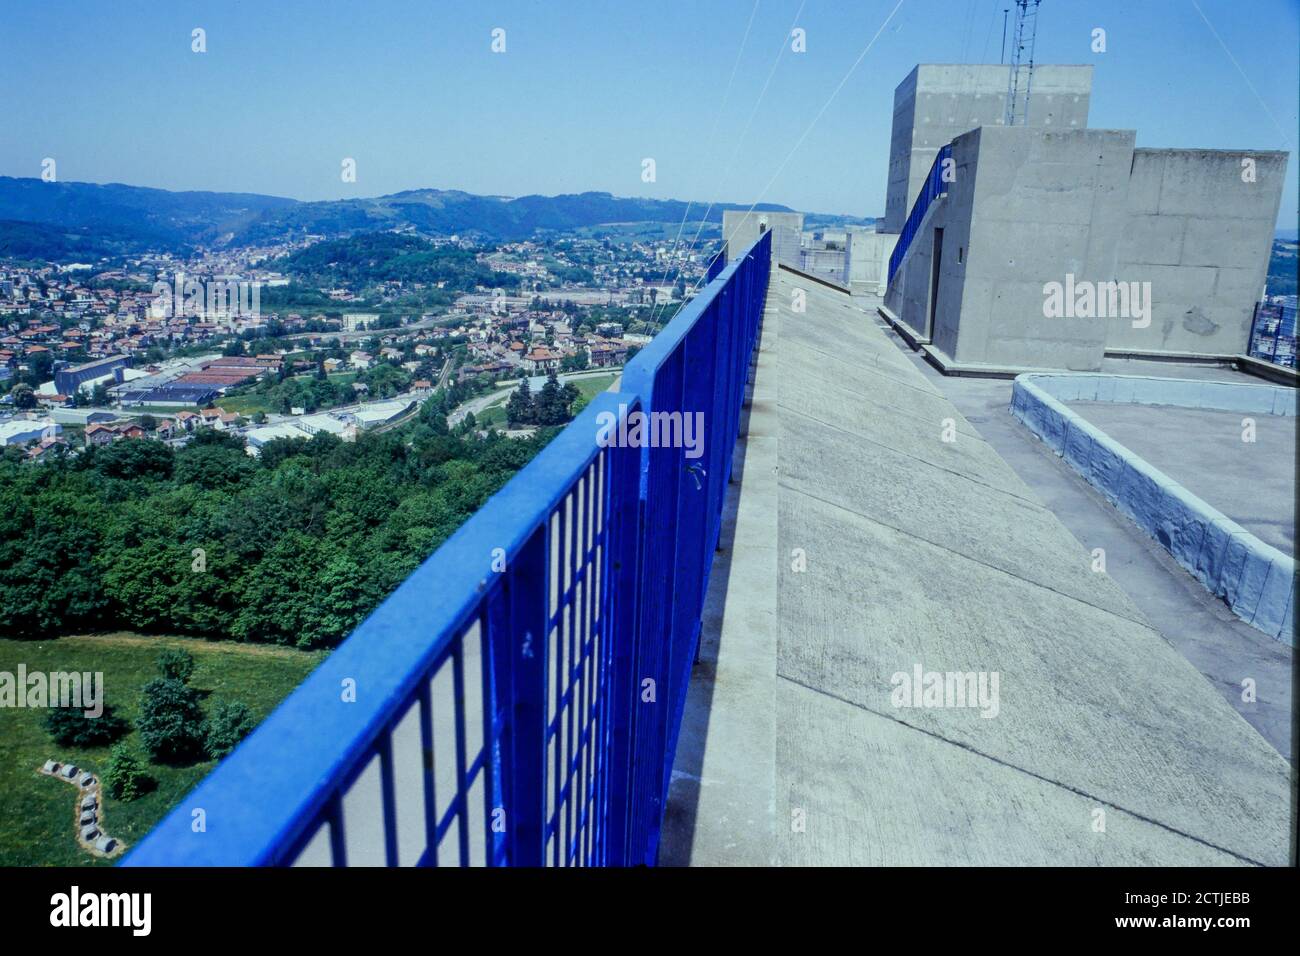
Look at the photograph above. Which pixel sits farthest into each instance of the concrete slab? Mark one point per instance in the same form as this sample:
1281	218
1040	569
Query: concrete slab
949	563
1226	651
947	508
1252	482
874	792
1085	698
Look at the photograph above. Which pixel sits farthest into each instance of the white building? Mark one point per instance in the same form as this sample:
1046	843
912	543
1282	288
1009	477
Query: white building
20	431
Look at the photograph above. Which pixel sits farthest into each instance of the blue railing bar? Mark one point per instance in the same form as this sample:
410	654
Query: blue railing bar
491	725
425	703
574	672
932	188
386	656
638	373
449	816
461	801
553	824
389	798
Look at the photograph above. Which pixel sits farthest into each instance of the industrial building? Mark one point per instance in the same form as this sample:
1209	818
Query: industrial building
20	431
68	380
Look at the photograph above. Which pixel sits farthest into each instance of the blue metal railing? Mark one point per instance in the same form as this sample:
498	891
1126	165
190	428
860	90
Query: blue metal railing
933	187
1273	334
517	700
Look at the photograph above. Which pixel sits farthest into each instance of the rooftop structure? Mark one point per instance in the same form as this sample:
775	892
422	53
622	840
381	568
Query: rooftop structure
1047	246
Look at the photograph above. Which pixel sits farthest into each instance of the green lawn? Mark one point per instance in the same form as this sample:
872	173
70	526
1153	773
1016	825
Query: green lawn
247	405
589	388
36	812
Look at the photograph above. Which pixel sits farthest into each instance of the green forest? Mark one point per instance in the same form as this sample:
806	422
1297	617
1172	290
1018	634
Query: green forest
385	256
292	548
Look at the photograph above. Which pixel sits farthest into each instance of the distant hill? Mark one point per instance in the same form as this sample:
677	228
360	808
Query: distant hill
129	218
154	218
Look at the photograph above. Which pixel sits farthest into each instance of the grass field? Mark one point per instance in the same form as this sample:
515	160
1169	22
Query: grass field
246	405
36	812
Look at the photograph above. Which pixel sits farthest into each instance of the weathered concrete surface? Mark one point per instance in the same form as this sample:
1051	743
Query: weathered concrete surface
937	102
1222	648
922	555
869	254
1253	483
1199	228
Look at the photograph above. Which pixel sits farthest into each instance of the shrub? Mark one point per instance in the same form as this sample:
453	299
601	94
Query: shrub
230	723
171	722
176	664
125	777
70	727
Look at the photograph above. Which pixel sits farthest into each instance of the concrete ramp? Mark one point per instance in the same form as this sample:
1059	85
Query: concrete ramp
879	543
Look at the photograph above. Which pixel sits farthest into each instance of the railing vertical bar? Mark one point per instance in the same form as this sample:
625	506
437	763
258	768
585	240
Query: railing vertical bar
389	797
491	776
462	783
560	663
426	760
338	842
528	585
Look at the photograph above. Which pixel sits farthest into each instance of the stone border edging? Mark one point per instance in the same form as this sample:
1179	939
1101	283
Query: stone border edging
1255	579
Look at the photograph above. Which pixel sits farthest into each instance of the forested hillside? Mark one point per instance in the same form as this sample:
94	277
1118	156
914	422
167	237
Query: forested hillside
293	548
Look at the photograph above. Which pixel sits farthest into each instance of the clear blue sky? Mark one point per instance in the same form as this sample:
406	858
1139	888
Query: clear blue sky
586	90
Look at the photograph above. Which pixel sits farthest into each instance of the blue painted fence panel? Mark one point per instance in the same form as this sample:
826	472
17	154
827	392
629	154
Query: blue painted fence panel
517	700
933	187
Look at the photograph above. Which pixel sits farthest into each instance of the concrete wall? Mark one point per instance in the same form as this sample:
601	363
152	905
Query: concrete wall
1255	579
869	254
1039	205
1201	236
935	103
741	229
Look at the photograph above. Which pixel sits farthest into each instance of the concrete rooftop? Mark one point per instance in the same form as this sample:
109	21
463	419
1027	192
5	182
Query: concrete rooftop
942	554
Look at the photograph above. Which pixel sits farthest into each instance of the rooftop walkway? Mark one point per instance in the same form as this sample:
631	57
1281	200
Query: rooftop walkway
863	545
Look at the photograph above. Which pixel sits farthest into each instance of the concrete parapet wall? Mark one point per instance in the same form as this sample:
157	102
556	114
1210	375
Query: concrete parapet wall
1255	579
1199	228
741	229
869	254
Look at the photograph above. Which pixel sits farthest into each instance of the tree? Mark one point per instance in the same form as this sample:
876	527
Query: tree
125	776
213	467
519	407
230	723
554	401
148	423
23	395
177	664
70	727
171	723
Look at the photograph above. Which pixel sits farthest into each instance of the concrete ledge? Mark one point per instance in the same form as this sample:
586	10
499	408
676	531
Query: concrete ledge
1268	371
822	280
905	332
946	364
1255	579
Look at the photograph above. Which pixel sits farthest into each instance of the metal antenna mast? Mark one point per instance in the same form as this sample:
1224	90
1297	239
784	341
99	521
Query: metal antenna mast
1022	54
